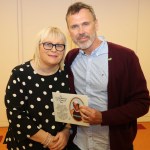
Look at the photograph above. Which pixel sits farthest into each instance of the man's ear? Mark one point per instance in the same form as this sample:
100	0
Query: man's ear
96	25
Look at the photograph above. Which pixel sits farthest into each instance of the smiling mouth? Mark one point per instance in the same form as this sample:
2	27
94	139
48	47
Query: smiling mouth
52	56
83	38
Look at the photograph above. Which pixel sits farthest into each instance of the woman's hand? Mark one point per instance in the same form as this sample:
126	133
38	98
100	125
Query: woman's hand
60	140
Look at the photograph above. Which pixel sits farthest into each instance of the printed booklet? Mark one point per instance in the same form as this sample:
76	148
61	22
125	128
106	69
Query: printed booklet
66	107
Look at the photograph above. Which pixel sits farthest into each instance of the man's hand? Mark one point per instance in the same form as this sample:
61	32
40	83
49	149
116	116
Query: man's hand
90	115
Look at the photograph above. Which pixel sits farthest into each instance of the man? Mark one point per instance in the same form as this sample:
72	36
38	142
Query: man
111	76
75	112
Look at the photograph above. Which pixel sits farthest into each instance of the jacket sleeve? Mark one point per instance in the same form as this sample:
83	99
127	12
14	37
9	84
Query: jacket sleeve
128	96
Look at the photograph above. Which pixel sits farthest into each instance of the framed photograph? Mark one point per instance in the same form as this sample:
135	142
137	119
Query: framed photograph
67	107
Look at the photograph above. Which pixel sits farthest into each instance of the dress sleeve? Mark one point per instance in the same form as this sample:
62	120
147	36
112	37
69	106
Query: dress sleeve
16	102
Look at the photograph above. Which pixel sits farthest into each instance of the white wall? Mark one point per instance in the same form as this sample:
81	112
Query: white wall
8	48
143	43
123	22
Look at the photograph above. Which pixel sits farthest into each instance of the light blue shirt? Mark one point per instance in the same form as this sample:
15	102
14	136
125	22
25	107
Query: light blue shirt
91	79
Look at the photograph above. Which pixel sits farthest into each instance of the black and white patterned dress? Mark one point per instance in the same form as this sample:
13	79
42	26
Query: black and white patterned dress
29	105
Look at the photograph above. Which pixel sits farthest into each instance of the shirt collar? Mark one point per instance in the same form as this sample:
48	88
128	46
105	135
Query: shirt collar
99	50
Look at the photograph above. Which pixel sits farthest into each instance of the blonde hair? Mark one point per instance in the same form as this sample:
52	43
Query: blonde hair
52	33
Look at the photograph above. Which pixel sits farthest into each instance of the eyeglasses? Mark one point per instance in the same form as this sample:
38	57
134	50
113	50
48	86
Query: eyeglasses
49	46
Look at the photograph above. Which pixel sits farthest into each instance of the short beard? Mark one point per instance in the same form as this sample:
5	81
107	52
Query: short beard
86	45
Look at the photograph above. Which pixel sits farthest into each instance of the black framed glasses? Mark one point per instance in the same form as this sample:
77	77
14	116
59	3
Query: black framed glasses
49	46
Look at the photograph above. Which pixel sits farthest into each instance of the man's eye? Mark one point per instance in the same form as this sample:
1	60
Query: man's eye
86	24
74	27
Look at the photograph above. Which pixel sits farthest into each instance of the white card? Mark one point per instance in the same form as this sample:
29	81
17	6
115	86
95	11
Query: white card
66	107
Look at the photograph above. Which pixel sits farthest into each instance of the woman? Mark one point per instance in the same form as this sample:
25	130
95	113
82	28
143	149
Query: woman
28	99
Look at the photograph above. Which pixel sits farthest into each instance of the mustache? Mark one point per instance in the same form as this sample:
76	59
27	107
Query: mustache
84	35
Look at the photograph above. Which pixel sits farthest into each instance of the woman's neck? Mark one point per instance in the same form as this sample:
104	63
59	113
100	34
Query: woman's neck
43	69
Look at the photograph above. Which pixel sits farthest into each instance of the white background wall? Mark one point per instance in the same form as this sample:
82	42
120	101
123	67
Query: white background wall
123	22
